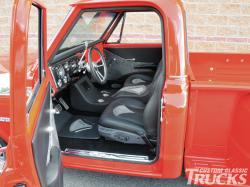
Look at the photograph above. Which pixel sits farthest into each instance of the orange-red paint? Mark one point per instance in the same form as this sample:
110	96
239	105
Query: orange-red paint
20	167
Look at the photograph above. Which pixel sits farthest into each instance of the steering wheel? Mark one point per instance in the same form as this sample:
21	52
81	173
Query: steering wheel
98	68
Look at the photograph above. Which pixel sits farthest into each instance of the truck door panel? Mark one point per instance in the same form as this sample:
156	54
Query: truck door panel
132	59
33	152
46	147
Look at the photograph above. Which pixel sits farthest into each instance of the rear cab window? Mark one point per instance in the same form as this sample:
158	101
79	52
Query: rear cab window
138	27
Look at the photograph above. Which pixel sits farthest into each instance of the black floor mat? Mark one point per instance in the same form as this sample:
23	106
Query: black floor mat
90	139
79	127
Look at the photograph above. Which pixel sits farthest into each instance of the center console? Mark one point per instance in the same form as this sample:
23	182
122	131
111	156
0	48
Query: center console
84	96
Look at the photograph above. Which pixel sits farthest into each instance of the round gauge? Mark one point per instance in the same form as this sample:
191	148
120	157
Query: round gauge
61	72
66	66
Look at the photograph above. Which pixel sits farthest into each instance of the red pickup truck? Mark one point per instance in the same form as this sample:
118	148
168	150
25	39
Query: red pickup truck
141	109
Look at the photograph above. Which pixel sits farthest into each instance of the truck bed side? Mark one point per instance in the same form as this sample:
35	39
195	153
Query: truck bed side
219	111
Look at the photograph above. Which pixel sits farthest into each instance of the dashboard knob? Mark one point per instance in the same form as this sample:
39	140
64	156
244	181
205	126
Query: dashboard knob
59	83
73	65
65	79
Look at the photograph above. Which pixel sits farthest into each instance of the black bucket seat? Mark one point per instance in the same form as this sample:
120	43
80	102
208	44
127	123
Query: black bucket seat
142	85
132	121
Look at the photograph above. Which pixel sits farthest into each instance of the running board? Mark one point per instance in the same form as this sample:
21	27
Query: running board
108	156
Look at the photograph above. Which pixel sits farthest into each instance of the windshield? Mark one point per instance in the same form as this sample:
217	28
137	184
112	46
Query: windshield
89	27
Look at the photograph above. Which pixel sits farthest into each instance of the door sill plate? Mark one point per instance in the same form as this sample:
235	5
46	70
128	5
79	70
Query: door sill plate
107	156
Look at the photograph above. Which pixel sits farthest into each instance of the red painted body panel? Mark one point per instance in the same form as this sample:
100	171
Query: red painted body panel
20	165
218	118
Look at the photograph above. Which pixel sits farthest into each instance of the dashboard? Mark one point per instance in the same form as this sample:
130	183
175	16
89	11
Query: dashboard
68	66
66	71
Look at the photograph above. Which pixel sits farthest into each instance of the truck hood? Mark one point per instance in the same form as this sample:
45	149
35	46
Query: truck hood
32	75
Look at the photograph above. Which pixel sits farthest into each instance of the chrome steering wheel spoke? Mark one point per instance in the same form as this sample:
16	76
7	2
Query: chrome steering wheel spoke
98	68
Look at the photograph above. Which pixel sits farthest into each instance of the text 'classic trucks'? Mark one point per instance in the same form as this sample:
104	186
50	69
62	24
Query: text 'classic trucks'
97	101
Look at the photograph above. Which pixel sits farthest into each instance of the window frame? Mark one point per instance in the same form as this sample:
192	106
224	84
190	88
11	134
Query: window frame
41	67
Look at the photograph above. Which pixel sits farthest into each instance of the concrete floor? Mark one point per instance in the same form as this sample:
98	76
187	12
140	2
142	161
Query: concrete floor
76	178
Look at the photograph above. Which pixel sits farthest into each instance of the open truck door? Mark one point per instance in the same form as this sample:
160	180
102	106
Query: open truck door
33	155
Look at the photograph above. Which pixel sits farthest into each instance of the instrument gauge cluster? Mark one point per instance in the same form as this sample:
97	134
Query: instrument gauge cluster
60	71
66	71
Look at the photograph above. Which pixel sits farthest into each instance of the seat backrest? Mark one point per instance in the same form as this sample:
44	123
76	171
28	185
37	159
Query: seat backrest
156	78
158	71
152	109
